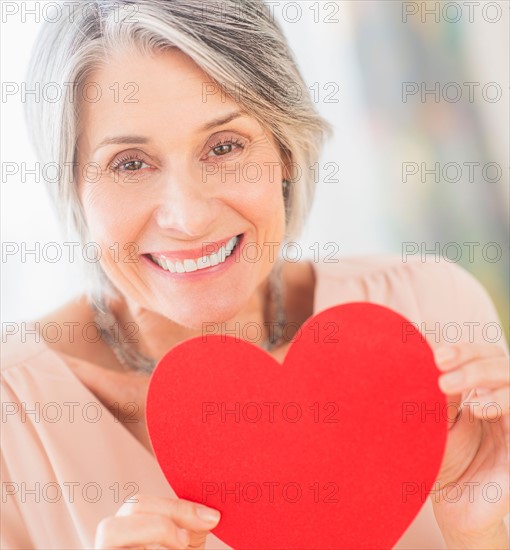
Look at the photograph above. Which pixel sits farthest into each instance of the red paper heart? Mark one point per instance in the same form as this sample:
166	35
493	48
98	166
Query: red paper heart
351	472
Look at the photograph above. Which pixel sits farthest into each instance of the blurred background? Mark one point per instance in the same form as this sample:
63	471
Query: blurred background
418	95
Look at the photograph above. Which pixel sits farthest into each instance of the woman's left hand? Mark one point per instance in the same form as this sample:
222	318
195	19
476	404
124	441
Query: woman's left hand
472	496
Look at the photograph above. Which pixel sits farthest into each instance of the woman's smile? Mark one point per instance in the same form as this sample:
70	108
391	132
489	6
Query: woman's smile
212	258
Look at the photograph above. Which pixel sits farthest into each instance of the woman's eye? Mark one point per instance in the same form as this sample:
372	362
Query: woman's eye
129	165
225	147
222	149
133	165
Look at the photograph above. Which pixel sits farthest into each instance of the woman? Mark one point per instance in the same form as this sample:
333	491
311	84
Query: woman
171	105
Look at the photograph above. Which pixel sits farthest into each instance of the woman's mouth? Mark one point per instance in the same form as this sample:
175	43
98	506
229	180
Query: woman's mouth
188	265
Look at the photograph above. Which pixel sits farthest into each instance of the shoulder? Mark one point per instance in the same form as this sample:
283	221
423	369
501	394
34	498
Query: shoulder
430	290
433	273
30	342
21	345
363	265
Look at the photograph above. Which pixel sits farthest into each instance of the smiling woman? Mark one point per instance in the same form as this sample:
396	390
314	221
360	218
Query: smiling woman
183	158
183	189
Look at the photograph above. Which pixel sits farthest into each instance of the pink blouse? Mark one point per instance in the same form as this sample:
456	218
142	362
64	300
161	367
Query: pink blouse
67	462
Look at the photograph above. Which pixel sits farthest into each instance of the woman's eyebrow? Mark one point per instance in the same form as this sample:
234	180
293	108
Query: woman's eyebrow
122	140
224	119
142	140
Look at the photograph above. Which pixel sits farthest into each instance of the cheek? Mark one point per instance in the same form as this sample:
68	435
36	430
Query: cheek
261	188
113	219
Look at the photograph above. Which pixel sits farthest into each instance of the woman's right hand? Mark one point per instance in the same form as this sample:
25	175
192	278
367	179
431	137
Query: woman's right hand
155	522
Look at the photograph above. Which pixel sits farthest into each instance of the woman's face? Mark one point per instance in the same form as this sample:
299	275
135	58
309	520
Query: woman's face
172	166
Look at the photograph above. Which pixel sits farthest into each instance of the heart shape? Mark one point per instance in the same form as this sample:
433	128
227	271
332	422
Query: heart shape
335	448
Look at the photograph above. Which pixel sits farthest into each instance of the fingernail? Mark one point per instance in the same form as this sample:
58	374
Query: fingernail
183	537
452	379
444	354
207	514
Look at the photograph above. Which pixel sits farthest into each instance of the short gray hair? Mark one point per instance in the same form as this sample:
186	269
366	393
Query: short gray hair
234	41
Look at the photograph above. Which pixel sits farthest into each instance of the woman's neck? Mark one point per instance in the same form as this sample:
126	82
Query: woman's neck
153	334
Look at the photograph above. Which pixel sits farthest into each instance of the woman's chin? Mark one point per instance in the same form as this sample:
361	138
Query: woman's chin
203	318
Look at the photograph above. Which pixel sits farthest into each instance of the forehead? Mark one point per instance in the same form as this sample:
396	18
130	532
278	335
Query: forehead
161	91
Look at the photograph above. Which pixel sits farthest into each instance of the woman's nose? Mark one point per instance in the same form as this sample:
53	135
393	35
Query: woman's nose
186	206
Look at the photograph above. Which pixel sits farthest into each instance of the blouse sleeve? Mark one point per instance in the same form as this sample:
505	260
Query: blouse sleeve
442	299
455	306
13	533
57	466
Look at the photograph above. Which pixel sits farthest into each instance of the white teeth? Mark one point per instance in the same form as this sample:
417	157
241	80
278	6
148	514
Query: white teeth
230	245
188	266
214	259
204	261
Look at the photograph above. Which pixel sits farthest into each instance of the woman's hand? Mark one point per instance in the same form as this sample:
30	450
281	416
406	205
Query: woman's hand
155	522
472	495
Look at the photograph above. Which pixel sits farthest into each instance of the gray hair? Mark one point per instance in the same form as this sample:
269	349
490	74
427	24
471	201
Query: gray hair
233	41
